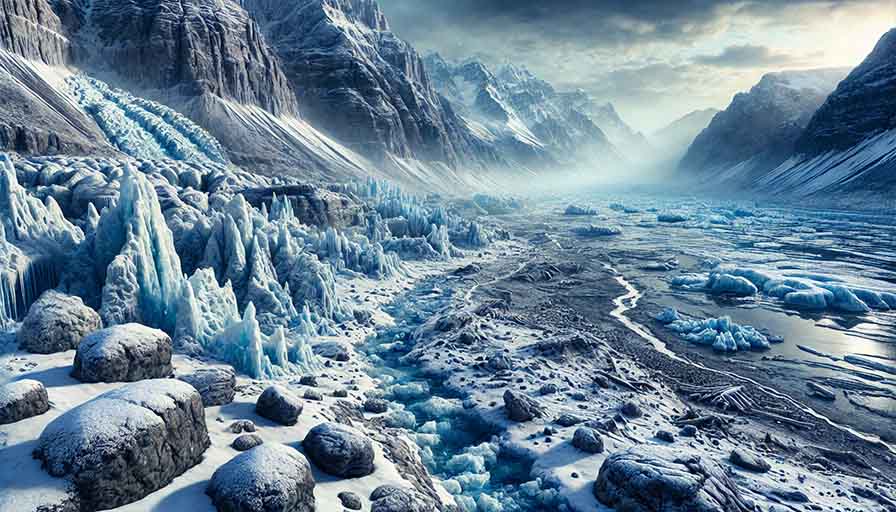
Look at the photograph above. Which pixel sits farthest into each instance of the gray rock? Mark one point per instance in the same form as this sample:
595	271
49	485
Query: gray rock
688	431
246	442
631	409
822	392
339	450
279	404
217	386
665	435
376	405
350	500
55	323
548	389
22	399
391	498
748	461
500	362
240	426
588	440
334	350
308	380
568	420
123	353
160	423
654	479
313	394
269	478
520	407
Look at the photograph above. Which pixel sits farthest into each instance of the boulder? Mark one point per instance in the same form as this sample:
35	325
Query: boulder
123	353
350	500
520	407
246	442
22	399
279	404
269	478
126	443
334	350
588	440
376	405
654	479
240	426
391	498
56	322
745	460
339	450
631	409
216	386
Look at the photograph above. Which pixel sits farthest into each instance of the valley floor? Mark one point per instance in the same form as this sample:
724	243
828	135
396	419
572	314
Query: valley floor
569	322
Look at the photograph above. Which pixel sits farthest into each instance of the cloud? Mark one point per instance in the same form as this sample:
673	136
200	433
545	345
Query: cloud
747	56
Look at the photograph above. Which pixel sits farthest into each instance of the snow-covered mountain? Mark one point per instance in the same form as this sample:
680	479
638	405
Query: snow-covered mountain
761	125
673	140
524	116
631	143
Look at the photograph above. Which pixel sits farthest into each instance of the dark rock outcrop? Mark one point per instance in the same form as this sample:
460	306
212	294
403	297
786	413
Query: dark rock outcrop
588	440
217	386
520	407
56	322
646	479
271	477
863	105
279	404
312	205
743	459
160	423
339	450
22	399
123	353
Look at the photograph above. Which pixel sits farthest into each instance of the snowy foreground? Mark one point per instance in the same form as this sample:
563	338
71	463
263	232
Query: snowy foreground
185	336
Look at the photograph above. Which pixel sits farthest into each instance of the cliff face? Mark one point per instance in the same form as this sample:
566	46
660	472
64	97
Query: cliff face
862	106
32	29
763	123
358	81
192	46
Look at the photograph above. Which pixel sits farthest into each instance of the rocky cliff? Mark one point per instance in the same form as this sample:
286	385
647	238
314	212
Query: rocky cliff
862	106
764	123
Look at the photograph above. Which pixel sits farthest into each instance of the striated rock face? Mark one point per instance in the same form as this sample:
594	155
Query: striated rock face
313	206
863	105
357	80
763	123
32	29
191	46
646	479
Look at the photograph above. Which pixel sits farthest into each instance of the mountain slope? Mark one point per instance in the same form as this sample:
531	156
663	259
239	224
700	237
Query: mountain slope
862	106
761	125
524	116
672	141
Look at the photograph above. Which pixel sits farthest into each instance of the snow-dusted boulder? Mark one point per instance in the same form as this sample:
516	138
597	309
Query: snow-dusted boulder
279	404
267	478
391	498
123	353
22	399
216	386
335	350
246	442
588	440
56	322
653	479
520	407
127	443
339	450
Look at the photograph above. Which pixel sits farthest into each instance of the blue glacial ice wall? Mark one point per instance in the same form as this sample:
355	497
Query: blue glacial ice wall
142	128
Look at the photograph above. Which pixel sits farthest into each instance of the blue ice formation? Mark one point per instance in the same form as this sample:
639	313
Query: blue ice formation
142	128
799	290
593	231
671	218
134	252
721	333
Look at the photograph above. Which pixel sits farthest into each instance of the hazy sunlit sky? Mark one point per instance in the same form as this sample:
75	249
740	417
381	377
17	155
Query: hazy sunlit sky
655	60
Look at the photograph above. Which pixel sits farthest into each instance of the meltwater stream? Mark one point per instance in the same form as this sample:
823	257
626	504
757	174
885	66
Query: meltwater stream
458	447
629	300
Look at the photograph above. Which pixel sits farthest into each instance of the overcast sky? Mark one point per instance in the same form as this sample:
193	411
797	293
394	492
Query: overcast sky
656	60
